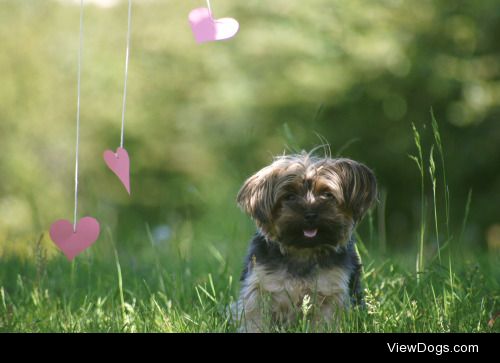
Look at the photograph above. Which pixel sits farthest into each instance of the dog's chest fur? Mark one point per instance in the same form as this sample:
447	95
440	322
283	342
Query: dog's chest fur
278	282
288	291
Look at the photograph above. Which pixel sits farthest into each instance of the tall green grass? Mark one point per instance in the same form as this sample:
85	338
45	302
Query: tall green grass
166	289
419	160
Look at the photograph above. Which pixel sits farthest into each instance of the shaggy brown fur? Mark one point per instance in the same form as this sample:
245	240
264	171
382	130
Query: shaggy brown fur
305	209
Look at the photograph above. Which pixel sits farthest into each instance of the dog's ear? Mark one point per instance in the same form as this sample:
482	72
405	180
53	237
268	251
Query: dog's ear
256	196
356	186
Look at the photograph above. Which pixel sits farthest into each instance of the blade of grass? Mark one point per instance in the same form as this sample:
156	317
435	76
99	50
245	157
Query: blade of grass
437	138
382	237
120	279
432	174
420	164
466	215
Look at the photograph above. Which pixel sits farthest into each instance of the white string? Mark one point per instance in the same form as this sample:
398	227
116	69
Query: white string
209	8
126	72
78	115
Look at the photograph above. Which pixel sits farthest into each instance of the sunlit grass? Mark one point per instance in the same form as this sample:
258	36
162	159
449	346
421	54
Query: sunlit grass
188	284
90	295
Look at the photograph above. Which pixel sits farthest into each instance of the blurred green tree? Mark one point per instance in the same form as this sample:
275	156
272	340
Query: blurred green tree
201	118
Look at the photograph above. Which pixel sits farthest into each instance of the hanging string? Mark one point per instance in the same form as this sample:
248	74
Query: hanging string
78	115
209	9
126	72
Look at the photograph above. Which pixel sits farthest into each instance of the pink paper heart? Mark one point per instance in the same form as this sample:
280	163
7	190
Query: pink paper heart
73	242
119	163
207	29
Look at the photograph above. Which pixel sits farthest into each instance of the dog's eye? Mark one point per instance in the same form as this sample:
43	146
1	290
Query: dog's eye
327	195
290	197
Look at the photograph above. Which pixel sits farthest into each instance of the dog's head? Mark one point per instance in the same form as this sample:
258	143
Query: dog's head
303	201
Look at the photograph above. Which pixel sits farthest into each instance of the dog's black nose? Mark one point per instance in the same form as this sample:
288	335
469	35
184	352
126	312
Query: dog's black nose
310	216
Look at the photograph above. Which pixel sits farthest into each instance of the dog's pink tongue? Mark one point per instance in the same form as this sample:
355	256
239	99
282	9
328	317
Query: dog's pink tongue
310	233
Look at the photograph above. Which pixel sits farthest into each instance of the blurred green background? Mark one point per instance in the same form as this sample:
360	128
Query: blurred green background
202	118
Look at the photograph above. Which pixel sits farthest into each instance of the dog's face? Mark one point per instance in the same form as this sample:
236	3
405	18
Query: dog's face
304	202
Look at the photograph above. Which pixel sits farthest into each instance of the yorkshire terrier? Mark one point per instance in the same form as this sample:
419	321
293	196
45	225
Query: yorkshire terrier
303	254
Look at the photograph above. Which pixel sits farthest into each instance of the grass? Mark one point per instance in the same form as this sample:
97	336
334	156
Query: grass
187	287
91	295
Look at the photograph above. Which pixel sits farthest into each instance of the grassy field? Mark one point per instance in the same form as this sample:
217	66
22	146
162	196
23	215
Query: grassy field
162	293
187	284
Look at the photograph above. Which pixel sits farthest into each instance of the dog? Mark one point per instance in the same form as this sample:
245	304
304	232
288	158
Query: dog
303	253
